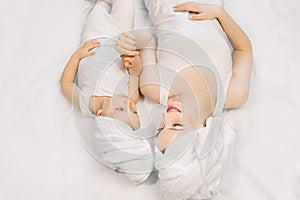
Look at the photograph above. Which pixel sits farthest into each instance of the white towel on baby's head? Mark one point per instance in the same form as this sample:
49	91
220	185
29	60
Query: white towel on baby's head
123	150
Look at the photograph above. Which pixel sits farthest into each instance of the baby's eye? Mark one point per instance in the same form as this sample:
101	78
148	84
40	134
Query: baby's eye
135	112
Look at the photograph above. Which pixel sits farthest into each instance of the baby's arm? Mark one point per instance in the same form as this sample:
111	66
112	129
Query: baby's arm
133	63
146	44
67	82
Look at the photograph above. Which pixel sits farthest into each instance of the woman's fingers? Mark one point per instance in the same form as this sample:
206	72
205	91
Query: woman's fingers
188	7
122	50
128	35
130	54
199	16
126	52
128	38
90	53
125	45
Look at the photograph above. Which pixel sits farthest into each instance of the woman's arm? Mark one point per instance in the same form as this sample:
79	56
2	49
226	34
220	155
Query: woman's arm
239	86
145	43
238	91
67	81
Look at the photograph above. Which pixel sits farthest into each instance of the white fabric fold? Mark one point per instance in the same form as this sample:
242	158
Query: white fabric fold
123	150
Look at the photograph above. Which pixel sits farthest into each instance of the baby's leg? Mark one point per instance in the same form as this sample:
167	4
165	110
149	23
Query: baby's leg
123	13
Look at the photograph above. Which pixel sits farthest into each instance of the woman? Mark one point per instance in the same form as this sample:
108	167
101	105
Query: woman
197	81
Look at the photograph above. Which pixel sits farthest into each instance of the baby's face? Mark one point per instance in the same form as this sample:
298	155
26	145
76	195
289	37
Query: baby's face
120	107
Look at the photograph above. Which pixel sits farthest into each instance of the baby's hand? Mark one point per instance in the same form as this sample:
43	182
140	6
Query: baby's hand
133	63
86	49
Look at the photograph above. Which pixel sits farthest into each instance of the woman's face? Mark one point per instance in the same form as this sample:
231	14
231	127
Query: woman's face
120	107
171	126
175	122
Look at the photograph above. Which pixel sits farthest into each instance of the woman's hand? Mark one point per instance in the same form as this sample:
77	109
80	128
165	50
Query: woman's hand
198	11
86	49
126	44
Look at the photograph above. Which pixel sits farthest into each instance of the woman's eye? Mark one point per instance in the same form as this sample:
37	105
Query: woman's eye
177	125
158	131
135	112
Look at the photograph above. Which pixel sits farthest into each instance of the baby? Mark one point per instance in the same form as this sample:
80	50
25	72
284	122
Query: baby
107	90
100	76
120	106
103	79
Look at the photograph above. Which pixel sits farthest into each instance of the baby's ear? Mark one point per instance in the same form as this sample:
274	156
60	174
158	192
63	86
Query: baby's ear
99	112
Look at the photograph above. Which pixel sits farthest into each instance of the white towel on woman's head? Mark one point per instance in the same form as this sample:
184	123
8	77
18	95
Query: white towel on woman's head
179	181
193	172
123	150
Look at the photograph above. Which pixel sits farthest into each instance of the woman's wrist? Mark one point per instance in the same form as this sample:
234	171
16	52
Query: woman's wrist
220	12
77	56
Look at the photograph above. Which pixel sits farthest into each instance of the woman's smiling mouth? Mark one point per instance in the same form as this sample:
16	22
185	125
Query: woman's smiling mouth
173	108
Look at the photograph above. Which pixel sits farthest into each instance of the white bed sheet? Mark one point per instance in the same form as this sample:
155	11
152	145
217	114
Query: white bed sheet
41	155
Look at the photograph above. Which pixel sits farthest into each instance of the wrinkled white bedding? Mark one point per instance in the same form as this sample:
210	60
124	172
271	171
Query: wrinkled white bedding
41	153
